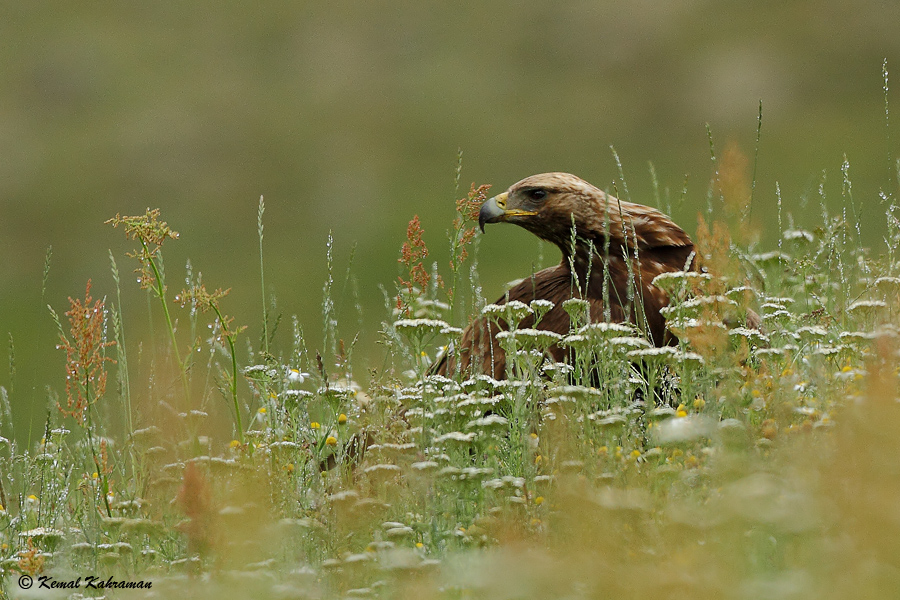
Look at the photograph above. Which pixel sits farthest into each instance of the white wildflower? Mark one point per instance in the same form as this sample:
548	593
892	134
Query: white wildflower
492	310
577	309
540	307
863	305
685	429
512	312
701	301
400	532
769	352
666	352
752	335
260	371
674	280
770	257
857	336
680	326
471	473
42	533
888	282
780	316
455	437
606	331
507	481
489	422
662	412
531	338
296	376
392	450
557	367
783	300
797	235
578	391
829	350
611	421
424	465
629	343
576	341
481	404
740	291
812	331
385	470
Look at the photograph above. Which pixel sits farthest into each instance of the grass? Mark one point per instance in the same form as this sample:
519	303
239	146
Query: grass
761	464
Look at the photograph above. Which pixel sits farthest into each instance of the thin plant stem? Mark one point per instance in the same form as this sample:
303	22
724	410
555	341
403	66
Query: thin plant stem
160	290
229	337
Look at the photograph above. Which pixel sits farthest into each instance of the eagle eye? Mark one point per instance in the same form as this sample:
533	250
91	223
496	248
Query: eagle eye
537	194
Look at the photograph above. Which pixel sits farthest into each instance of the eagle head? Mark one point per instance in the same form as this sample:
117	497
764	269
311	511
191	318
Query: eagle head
548	205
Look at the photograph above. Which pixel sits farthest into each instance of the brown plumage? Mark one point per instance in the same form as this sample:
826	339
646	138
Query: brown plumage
548	205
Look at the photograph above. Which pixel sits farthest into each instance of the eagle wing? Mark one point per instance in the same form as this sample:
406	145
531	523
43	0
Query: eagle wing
478	345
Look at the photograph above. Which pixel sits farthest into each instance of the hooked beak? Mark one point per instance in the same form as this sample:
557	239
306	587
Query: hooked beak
494	211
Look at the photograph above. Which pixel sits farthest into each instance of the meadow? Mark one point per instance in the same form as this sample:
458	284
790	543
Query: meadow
216	460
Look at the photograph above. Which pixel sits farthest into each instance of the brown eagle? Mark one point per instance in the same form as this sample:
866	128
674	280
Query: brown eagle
596	234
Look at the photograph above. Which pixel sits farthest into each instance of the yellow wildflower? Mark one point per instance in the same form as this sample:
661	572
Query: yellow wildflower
331	440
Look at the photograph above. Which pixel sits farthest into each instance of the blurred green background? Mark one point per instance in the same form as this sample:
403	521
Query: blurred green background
348	116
